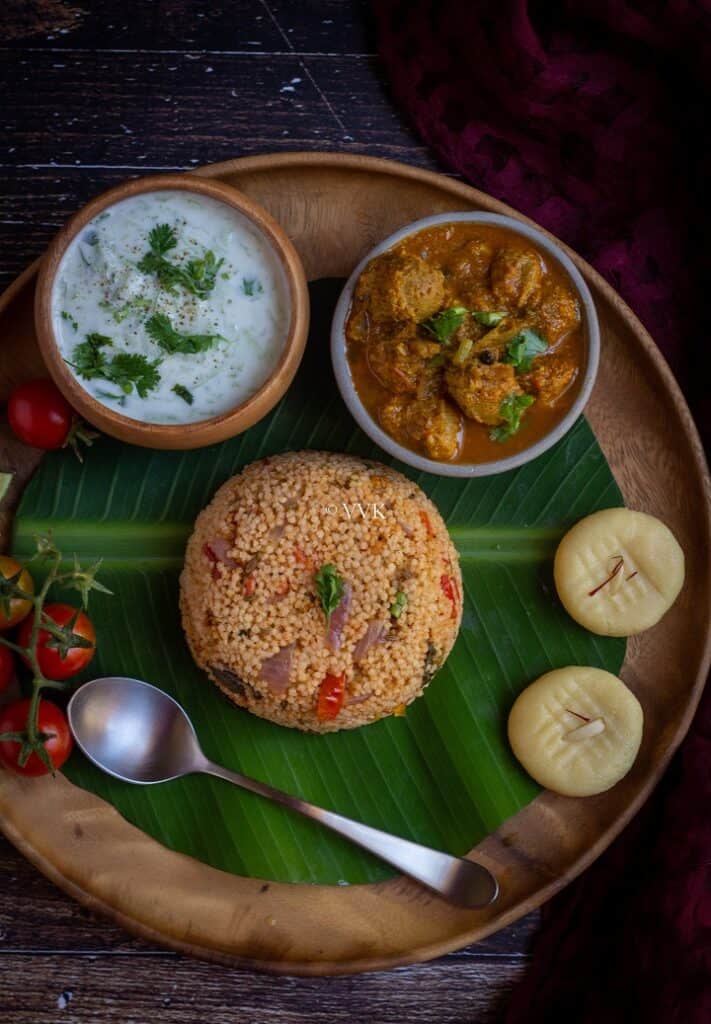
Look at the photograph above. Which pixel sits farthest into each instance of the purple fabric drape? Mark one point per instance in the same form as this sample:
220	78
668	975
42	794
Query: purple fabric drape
590	116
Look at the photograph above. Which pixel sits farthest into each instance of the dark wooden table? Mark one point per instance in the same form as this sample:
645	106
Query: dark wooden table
92	93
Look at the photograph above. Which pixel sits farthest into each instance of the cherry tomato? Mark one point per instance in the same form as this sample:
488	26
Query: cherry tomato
7	667
51	723
18	608
51	662
331	695
39	414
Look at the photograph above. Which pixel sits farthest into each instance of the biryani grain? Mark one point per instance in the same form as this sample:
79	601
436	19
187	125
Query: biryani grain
250	603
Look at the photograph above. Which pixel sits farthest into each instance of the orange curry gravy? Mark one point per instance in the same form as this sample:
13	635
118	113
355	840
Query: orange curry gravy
443	399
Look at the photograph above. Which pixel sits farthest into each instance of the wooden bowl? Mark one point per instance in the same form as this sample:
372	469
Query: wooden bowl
203	432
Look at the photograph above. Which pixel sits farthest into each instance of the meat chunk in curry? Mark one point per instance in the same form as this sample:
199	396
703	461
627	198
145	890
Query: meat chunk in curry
558	313
403	363
516	276
433	424
467	270
550	378
464	338
396	287
479	389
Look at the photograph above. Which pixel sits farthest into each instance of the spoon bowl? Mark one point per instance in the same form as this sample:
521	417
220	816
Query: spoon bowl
139	734
133	731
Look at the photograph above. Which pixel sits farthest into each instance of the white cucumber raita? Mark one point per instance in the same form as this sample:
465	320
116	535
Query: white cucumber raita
170	307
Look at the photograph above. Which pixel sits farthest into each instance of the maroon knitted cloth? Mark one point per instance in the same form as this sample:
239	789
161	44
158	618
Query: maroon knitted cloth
588	116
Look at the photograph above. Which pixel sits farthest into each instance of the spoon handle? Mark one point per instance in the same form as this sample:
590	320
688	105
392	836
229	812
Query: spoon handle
461	881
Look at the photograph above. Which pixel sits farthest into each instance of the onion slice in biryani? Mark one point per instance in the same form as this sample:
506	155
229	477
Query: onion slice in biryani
374	634
276	533
219	547
349	702
339	617
275	670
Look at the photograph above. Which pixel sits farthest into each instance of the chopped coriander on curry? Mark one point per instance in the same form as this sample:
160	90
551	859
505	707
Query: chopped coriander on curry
70	319
488	318
522	350
511	409
329	587
445	324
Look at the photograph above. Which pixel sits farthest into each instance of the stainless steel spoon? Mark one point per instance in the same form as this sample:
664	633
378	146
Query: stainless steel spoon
139	734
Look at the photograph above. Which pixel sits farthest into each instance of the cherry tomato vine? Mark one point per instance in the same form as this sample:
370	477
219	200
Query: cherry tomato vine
59	638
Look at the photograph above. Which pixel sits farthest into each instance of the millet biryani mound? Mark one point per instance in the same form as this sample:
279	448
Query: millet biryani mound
320	591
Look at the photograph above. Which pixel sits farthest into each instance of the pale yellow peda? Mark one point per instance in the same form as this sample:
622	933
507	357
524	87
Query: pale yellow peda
576	730
618	571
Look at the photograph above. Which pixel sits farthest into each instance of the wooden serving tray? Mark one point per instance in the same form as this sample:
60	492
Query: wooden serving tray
335	208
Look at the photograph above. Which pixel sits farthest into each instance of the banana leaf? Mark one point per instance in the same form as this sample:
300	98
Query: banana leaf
442	775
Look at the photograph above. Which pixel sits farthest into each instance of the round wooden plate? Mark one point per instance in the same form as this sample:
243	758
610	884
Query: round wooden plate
335	208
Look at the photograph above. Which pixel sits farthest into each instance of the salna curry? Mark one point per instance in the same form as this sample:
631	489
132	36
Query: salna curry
465	342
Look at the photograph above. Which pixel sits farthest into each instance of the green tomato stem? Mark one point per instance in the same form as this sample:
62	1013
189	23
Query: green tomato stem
29	653
22	651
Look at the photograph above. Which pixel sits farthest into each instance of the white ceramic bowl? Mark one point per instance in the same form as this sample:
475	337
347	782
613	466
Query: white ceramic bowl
463	469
